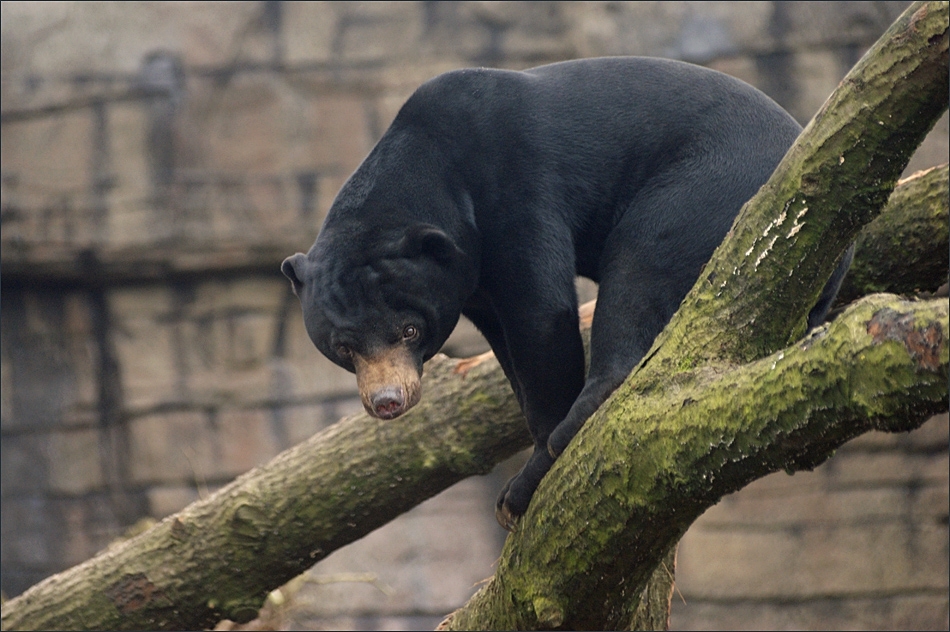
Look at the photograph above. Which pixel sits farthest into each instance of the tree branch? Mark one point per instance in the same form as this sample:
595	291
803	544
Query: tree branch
219	557
650	462
904	250
835	179
618	500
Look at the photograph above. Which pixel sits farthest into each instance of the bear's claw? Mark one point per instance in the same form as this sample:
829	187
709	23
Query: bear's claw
507	520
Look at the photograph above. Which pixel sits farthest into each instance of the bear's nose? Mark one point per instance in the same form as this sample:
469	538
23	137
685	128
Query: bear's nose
389	402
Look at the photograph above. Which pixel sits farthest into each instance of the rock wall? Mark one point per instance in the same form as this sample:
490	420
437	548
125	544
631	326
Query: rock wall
160	159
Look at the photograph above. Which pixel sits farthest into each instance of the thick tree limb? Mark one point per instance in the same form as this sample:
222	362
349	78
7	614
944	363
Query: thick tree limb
706	414
834	180
649	463
219	557
904	250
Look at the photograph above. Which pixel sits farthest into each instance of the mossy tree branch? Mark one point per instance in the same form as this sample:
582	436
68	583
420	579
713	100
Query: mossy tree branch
649	463
833	181
219	557
904	250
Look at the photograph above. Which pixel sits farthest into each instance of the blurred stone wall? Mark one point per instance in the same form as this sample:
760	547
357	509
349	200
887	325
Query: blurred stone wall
158	162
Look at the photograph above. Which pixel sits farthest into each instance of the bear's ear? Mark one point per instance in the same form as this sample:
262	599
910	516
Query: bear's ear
293	267
427	240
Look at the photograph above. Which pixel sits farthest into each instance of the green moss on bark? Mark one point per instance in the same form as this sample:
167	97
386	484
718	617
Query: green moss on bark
904	250
787	239
645	467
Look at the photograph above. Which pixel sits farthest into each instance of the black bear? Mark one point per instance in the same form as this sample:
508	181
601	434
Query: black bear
492	189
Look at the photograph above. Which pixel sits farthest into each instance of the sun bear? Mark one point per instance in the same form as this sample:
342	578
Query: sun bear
492	189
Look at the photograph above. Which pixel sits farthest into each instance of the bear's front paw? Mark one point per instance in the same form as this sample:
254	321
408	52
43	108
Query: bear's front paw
513	502
514	498
507	520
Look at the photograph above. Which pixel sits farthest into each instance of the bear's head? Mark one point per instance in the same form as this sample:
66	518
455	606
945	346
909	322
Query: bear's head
379	304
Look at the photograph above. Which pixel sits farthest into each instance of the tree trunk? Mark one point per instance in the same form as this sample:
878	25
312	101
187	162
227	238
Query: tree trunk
718	402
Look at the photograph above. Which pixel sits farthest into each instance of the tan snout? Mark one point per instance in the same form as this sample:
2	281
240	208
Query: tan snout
388	381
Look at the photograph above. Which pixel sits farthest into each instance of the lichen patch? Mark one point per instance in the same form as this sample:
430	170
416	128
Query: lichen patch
923	344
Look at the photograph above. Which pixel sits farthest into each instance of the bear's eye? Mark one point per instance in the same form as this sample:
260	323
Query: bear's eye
410	332
343	351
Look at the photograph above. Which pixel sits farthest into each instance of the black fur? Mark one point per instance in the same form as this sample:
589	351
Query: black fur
492	189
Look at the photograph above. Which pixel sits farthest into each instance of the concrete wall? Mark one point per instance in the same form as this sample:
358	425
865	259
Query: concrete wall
159	160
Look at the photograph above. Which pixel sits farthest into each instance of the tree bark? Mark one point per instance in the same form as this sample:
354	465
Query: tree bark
720	400
904	250
650	462
833	181
219	557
